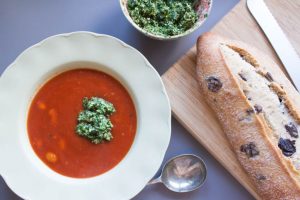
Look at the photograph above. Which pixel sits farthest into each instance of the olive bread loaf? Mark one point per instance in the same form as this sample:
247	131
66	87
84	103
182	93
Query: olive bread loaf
259	110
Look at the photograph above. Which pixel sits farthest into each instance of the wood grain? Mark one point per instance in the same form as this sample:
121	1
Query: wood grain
189	107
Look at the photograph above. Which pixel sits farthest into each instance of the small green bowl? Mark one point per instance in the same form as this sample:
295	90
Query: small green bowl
203	8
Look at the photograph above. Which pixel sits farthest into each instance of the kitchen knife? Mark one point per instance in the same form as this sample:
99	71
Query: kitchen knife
277	38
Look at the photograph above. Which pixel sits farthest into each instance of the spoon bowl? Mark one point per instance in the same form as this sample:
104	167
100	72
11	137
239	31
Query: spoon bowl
183	173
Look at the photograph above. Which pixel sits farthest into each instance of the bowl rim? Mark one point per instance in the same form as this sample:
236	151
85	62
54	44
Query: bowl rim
32	68
159	37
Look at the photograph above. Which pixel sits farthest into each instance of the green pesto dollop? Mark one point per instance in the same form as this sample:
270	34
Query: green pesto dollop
93	122
163	17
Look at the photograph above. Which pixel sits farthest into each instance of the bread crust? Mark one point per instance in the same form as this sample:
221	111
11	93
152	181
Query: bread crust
273	174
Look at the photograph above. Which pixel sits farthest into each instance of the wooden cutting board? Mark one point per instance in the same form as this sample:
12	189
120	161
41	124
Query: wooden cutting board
189	107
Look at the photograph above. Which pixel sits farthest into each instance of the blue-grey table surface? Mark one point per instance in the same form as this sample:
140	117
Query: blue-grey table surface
24	23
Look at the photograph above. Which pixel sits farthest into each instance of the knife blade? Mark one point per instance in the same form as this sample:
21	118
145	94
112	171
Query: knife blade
277	38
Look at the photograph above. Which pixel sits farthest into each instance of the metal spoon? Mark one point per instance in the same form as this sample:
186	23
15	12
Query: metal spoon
182	173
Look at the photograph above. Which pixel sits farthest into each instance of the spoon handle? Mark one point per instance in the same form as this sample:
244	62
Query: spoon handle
153	181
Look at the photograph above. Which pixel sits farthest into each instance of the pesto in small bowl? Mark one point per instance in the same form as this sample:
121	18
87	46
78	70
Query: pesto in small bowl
166	19
163	17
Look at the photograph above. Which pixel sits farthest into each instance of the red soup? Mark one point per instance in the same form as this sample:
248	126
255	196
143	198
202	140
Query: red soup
52	121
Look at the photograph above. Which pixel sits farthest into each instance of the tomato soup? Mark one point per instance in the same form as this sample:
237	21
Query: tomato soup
52	121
